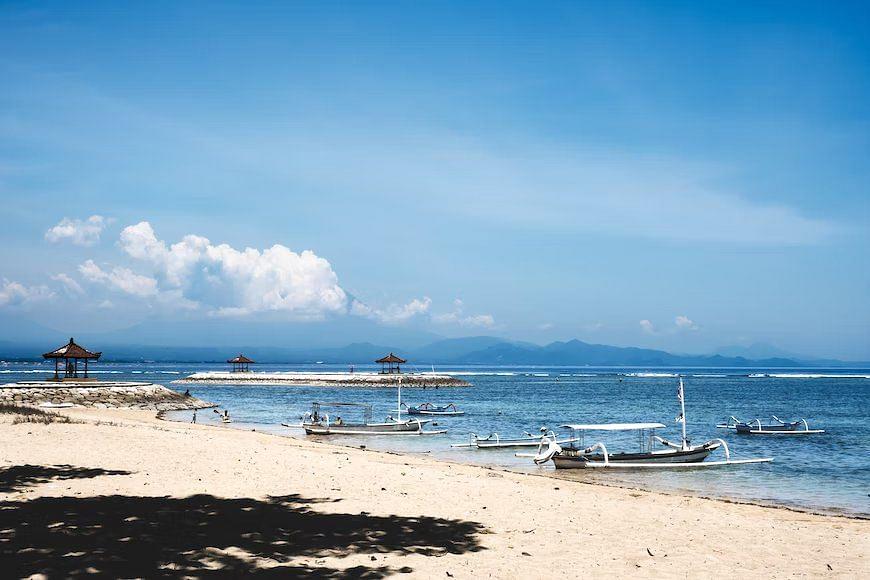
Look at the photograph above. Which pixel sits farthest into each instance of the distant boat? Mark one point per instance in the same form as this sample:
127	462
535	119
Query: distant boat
780	427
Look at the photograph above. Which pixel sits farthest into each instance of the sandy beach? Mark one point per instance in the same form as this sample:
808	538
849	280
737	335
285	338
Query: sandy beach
121	493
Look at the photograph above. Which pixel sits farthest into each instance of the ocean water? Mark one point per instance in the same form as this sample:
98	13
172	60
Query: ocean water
828	472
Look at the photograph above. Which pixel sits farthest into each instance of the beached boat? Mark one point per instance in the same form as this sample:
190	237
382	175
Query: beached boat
494	441
673	455
780	427
432	409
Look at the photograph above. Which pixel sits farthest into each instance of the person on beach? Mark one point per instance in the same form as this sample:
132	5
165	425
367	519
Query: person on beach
194	417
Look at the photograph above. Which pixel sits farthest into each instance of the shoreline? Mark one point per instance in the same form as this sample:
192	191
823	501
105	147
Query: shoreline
555	476
247	501
552	475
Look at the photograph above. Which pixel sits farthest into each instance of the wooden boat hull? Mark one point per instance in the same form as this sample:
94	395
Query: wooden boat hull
573	459
439	413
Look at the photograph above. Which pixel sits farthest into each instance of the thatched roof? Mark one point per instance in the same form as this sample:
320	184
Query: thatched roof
240	359
391	358
72	350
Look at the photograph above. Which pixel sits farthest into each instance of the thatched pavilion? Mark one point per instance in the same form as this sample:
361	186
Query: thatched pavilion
390	364
71	353
240	364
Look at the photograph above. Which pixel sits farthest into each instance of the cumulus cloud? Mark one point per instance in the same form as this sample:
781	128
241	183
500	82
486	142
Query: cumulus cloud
79	232
71	287
685	323
458	316
681	323
393	314
121	279
647	326
239	282
16	294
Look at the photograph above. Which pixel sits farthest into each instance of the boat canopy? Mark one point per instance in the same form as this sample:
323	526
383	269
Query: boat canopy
614	426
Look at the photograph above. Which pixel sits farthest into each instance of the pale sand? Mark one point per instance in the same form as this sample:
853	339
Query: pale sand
473	522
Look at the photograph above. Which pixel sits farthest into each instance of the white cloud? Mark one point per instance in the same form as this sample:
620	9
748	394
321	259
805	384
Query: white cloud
681	323
458	316
79	232
118	278
685	323
16	294
239	282
393	314
70	285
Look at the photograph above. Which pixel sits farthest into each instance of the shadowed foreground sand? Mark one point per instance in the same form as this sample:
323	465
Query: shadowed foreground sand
134	496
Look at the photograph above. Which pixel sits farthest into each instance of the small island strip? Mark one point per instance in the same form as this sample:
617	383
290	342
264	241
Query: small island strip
388	377
324	379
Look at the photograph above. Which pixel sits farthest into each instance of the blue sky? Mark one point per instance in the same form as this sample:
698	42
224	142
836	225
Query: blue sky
673	175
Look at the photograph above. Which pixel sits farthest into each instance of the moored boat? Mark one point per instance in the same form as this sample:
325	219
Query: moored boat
674	455
320	422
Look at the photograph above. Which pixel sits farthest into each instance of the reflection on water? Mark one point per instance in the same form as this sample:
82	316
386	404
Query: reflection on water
830	471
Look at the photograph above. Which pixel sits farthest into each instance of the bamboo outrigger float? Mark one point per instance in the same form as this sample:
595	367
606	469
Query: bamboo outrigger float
448	410
780	427
674	456
494	441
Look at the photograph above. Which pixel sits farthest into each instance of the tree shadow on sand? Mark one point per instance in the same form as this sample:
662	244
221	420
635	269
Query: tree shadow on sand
204	536
19	477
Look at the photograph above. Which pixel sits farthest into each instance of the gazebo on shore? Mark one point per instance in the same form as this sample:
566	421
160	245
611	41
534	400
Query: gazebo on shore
240	363
390	364
71	353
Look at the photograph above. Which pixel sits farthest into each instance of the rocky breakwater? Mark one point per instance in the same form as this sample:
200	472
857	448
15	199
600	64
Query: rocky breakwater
103	395
324	379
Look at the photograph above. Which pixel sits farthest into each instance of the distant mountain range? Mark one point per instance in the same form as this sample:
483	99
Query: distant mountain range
483	350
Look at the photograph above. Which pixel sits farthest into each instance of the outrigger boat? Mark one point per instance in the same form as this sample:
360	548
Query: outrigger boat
675	455
494	441
317	422
431	409
756	427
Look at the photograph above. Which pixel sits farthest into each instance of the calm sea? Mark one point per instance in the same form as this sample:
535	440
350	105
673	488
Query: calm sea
829	472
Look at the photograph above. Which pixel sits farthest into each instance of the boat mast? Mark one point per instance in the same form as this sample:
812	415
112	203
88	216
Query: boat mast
683	414
399	407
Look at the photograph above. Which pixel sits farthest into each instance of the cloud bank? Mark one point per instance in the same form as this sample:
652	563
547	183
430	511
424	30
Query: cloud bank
16	294
239	282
